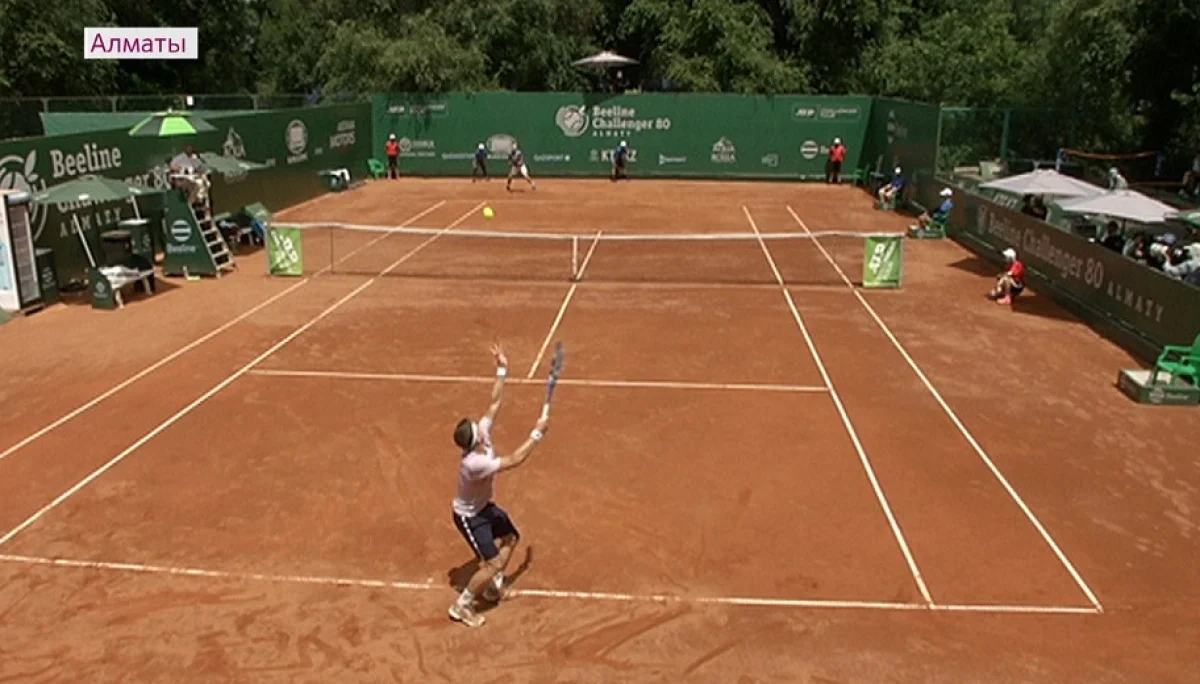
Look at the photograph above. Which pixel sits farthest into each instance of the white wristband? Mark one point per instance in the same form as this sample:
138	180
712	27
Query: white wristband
536	435
501	372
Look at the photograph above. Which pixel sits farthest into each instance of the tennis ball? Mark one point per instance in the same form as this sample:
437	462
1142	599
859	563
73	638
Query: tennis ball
488	213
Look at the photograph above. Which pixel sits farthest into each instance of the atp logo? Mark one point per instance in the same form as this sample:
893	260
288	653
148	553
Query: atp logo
572	120
20	173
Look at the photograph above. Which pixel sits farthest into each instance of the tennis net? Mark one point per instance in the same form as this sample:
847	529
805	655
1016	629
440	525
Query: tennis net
745	258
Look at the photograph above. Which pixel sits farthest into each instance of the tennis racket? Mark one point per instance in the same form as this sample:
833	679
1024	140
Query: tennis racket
556	366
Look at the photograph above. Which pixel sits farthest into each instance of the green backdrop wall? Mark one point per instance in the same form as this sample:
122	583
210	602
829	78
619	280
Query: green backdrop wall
296	143
565	134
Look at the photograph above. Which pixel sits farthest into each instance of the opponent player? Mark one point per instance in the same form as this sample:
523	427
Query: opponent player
484	525
480	165
516	165
620	157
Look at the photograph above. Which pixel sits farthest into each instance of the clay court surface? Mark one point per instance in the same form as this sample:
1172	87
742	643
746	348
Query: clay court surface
756	471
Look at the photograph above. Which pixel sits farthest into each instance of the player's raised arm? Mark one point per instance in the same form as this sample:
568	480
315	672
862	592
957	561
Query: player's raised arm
498	388
518	457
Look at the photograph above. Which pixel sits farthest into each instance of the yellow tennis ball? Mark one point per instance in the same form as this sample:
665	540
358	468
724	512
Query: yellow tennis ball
488	213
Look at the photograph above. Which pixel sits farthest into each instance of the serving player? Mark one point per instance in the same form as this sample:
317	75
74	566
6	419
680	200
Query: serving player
485	526
620	158
516	165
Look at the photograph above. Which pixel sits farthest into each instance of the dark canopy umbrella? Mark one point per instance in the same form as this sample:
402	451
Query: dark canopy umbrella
91	189
170	123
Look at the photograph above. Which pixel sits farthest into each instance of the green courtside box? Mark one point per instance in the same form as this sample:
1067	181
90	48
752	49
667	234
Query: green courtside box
285	251
883	262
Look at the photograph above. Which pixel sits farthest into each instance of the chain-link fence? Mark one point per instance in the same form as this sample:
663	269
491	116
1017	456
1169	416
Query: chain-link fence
1021	137
20	117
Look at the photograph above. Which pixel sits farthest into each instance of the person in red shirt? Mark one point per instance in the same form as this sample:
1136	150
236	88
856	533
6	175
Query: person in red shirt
393	154
1010	283
833	168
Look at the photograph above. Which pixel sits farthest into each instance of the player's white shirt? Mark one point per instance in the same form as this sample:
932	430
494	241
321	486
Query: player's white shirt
476	475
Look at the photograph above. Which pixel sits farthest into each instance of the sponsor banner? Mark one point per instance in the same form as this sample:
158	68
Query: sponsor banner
883	262
1162	309
285	251
724	152
611	121
552	158
667	159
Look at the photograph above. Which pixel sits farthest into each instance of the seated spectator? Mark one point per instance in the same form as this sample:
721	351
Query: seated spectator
889	191
1191	179
1011	282
1180	262
1113	239
1039	207
1136	247
1158	250
1028	208
942	213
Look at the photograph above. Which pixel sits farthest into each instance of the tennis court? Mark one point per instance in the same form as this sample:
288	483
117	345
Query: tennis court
755	469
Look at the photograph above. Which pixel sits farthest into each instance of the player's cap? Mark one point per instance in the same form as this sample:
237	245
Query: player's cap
392	136
837	141
481	146
1010	254
897	169
622	143
946	192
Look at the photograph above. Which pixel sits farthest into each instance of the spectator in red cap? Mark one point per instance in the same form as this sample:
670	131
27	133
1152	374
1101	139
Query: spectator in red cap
833	168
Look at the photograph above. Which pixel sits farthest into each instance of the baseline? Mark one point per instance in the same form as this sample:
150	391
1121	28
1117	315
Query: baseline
138	568
979	451
578	382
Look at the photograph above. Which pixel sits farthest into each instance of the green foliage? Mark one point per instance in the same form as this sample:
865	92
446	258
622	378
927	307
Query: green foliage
1112	75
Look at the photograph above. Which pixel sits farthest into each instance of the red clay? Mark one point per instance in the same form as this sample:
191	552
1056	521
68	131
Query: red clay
642	491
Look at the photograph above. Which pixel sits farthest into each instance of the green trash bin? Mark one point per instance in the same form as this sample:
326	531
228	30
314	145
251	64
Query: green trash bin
140	241
47	270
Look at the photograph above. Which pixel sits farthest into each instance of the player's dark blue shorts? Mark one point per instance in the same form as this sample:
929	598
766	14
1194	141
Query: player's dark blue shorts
483	529
619	162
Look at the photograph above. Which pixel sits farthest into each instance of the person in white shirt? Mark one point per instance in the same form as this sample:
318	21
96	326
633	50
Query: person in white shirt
485	526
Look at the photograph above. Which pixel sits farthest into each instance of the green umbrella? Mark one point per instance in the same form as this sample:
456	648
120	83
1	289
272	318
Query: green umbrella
91	189
170	123
228	165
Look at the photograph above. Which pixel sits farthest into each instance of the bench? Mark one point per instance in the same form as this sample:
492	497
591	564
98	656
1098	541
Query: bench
106	281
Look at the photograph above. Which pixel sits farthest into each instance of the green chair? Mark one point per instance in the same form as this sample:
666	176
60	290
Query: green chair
1181	363
376	167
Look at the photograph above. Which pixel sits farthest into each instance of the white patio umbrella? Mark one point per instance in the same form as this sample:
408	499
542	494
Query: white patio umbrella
1044	182
605	60
1129	205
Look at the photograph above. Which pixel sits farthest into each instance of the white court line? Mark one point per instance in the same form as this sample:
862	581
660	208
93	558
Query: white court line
547	593
171	357
381	237
1012	492
217	388
150	369
579	382
837	401
562	310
